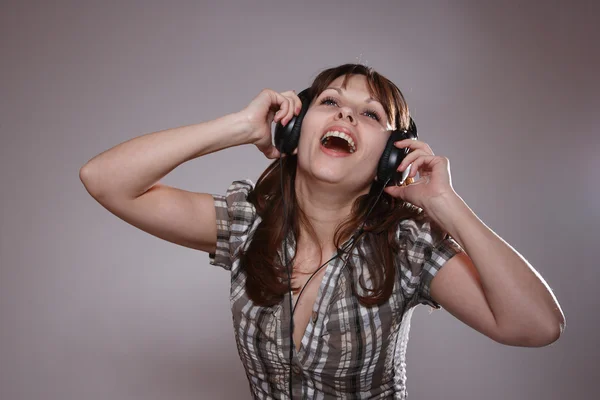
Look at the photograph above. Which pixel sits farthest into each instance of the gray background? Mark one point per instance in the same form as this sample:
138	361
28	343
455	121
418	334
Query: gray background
91	308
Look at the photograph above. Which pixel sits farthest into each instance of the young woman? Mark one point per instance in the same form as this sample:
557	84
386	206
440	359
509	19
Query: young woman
326	261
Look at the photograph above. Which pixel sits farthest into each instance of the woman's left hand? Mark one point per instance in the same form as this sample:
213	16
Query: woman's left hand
434	175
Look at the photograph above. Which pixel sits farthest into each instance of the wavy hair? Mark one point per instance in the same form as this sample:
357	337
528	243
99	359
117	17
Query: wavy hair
267	279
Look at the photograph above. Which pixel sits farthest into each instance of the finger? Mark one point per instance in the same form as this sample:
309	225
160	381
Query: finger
283	105
270	151
419	163
407	143
290	111
413	144
395	191
273	153
275	99
271	117
410	157
296	102
283	112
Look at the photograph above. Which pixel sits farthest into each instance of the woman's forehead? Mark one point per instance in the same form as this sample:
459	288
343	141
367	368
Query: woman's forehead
355	81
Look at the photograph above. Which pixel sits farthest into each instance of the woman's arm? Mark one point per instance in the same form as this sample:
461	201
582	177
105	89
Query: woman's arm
493	289
125	178
129	169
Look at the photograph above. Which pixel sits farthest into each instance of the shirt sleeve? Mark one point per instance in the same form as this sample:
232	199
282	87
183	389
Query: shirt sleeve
427	250
235	217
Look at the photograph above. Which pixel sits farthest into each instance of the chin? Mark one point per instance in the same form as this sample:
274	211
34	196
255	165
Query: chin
335	176
325	169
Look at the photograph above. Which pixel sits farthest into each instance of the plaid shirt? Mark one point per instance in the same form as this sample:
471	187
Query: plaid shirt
348	350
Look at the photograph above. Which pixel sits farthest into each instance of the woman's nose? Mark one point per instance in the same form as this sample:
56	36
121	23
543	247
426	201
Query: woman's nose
346	113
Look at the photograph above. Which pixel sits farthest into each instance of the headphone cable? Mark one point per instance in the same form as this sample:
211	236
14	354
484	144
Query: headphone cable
352	242
285	250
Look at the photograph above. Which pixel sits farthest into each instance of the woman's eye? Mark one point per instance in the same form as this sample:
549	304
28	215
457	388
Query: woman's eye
329	101
373	115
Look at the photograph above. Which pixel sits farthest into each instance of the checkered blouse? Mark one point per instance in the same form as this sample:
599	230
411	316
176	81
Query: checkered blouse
348	350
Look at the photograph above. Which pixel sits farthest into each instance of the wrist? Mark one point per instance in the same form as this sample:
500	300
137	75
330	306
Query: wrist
240	127
446	209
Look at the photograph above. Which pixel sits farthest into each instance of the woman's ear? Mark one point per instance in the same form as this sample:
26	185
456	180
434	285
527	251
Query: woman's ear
295	152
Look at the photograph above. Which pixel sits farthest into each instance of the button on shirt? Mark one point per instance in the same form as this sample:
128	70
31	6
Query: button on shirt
314	316
348	350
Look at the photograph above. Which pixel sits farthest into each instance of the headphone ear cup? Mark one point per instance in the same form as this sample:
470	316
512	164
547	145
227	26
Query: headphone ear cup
288	136
392	157
390	160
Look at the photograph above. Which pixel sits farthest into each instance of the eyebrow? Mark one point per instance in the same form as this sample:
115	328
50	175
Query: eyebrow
369	100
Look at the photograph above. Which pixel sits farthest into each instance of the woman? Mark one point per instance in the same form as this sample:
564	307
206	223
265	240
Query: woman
361	256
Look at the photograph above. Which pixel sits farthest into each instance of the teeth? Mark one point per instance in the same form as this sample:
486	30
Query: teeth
341	135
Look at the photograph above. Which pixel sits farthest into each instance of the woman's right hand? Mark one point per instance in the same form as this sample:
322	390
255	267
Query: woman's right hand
265	109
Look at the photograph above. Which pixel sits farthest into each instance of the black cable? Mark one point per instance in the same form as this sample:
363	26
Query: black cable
352	242
311	276
285	248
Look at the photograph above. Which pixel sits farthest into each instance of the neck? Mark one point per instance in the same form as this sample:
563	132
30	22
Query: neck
325	205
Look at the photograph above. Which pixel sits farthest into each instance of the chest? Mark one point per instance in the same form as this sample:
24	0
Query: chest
334	333
307	279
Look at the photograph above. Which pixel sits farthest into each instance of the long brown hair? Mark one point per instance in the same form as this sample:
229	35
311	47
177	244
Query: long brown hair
266	274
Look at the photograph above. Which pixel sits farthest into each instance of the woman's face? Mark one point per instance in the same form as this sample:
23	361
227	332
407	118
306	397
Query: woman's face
343	135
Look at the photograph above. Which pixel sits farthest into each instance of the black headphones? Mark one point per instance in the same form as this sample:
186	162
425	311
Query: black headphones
287	138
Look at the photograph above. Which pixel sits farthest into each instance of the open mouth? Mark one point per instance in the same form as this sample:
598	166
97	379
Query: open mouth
339	142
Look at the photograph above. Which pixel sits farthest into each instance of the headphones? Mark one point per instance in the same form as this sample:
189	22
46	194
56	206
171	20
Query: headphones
288	136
